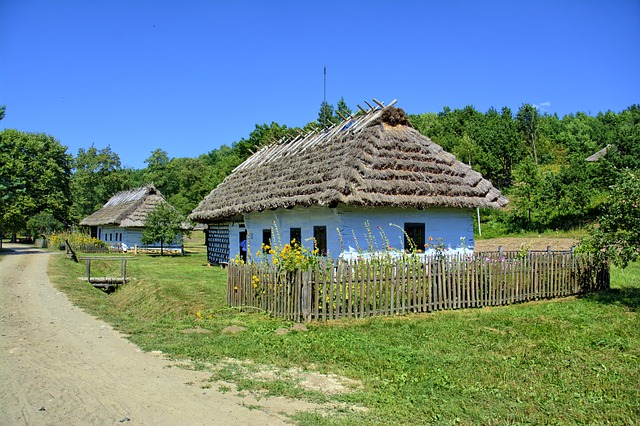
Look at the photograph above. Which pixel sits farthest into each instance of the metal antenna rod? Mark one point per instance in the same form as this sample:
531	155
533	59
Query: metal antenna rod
324	99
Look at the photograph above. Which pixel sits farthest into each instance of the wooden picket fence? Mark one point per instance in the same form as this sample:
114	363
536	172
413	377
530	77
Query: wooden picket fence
330	291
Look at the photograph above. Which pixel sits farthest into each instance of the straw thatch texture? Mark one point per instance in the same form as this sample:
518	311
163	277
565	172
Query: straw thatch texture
375	160
127	209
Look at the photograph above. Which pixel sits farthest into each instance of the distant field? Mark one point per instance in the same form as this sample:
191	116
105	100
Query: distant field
533	243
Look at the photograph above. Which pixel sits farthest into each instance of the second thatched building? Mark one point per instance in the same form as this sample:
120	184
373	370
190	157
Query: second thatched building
371	183
121	221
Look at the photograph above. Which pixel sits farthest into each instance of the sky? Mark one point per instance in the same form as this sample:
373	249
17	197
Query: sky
190	76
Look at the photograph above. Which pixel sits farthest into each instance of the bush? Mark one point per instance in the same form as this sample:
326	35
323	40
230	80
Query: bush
617	239
79	240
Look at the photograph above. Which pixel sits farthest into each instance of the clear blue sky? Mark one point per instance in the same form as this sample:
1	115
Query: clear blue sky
189	76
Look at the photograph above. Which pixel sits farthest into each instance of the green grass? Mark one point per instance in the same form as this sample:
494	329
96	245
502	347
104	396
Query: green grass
567	361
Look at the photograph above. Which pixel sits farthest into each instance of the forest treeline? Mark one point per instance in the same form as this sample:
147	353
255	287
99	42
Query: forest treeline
537	160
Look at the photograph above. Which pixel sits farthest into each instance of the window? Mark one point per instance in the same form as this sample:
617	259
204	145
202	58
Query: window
295	234
413	236
320	237
242	237
266	238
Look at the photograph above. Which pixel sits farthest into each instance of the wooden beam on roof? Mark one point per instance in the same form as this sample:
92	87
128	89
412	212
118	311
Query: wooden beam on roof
378	102
362	109
370	107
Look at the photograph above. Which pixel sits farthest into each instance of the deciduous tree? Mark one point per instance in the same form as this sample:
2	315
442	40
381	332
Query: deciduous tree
159	173
163	225
35	172
97	176
618	236
527	120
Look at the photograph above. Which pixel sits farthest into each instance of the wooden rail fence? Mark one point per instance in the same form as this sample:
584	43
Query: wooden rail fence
371	288
108	282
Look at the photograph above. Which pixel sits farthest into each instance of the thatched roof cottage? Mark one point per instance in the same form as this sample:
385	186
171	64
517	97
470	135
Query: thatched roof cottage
371	181
120	222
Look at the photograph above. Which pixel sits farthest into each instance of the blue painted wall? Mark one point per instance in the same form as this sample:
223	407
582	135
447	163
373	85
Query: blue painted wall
114	235
356	228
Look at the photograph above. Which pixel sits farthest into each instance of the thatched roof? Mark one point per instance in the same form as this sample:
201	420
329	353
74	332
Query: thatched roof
376	159
127	209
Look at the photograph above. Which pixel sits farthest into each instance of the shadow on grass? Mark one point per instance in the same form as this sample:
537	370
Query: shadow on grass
186	254
629	297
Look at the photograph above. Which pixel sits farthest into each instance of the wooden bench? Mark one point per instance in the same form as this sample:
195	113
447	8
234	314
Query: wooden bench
106	282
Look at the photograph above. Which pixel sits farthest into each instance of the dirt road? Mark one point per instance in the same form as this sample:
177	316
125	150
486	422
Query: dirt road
60	366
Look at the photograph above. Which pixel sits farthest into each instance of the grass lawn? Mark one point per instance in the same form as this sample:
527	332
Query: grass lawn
567	361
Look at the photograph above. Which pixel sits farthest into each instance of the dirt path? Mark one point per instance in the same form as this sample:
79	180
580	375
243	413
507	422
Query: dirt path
60	366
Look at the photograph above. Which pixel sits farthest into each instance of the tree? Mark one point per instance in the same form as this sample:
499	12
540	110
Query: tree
35	172
163	224
343	109
42	224
624	135
617	238
159	173
193	182
526	193
261	136
466	150
506	147
326	115
3	109
527	121
98	175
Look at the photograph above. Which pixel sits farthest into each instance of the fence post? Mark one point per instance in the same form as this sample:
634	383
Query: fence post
305	306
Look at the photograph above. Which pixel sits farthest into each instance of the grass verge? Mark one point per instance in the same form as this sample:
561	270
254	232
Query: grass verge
566	361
